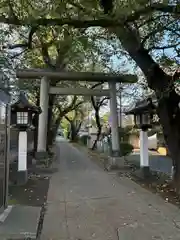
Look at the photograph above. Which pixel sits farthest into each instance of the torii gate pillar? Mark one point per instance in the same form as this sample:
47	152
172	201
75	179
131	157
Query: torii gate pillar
43	119
114	120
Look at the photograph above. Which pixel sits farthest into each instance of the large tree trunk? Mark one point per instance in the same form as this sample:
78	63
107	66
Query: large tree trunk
98	123
50	121
56	126
169	115
74	131
168	110
96	107
36	123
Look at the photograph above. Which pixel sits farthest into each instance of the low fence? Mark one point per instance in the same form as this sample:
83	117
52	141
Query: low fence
104	145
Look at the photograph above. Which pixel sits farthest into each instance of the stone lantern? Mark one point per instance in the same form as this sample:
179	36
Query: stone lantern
143	115
22	114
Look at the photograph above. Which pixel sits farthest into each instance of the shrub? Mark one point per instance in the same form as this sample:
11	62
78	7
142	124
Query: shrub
126	148
124	133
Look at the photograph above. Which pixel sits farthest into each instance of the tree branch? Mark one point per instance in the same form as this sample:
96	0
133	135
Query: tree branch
25	44
152	19
19	45
11	11
163	47
79	126
97	84
102	101
46	56
95	106
31	33
103	22
158	7
172	30
71	107
18	54
67	118
158	29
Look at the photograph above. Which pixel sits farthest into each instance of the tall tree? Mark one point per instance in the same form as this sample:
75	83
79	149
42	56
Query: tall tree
75	119
147	32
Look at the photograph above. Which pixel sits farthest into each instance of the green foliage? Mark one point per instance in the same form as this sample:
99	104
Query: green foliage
145	33
106	117
124	133
126	148
134	131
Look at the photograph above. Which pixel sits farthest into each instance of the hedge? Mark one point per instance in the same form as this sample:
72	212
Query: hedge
126	148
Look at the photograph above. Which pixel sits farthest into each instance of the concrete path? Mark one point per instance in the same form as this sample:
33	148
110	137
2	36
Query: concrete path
86	203
19	222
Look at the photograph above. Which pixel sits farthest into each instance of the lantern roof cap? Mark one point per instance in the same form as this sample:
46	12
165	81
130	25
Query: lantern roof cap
23	102
147	105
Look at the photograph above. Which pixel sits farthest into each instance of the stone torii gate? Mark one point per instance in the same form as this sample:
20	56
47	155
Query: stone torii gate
46	89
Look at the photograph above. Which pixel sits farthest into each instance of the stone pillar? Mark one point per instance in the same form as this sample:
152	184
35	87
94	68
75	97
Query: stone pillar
22	175
114	120
144	155
43	118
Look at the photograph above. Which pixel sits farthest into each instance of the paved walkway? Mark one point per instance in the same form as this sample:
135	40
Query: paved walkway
86	203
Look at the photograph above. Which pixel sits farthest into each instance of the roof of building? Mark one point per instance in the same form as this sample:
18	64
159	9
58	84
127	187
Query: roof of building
144	106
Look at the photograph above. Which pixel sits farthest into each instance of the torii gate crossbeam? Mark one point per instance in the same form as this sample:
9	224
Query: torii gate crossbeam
79	91
75	76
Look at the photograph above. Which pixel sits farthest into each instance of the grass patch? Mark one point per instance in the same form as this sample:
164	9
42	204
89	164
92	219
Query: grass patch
12	201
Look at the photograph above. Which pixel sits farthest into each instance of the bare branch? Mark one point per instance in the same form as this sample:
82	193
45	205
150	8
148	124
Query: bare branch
18	45
102	101
78	104
95	105
163	47
67	118
18	54
172	30
97	84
